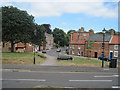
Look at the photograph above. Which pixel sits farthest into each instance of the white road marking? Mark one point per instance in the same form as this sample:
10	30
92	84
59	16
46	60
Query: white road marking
38	80
106	69
90	80
108	76
115	86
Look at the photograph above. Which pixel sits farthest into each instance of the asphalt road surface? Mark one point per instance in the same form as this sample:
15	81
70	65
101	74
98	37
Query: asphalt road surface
53	52
58	79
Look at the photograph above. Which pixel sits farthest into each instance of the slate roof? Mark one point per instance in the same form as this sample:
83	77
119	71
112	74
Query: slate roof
99	37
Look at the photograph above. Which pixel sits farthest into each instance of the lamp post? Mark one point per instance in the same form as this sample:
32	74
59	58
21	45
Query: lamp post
104	31
35	31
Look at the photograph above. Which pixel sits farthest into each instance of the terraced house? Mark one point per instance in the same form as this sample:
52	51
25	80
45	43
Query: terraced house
78	46
77	42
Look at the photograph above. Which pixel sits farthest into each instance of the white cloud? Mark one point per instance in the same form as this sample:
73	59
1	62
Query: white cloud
48	8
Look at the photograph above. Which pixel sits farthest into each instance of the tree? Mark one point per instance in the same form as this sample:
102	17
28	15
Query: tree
59	37
17	25
47	27
40	38
89	47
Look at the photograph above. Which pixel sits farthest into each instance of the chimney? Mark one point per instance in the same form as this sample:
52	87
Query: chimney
111	31
82	29
91	32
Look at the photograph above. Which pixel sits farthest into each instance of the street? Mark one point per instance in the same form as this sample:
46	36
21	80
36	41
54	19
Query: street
59	79
46	75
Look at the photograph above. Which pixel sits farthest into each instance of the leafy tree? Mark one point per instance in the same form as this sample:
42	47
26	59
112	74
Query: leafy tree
59	36
17	25
89	47
39	38
47	27
69	32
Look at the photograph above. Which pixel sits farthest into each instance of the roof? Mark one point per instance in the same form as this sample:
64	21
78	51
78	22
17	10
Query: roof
115	40
99	37
20	44
48	35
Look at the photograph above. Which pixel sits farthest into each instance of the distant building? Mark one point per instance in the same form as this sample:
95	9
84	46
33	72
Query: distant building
18	47
49	42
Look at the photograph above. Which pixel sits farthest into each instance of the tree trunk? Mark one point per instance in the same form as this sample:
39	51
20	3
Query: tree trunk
39	47
12	46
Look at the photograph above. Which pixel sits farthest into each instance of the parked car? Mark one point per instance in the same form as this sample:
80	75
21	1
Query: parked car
58	50
104	58
43	51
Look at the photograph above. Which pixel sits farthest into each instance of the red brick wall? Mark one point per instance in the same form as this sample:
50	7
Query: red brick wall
29	48
97	47
74	36
75	49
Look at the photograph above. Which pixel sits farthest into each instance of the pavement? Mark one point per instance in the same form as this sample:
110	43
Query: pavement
50	61
44	68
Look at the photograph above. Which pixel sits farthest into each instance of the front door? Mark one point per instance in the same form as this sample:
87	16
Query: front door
95	54
111	54
70	52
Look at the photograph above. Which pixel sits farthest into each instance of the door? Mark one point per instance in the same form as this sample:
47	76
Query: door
111	54
95	54
70	52
81	53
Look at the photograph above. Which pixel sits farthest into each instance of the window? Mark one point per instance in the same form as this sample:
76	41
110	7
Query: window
84	34
78	52
116	47
115	53
73	52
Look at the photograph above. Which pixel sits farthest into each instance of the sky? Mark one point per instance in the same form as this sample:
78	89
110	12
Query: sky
71	14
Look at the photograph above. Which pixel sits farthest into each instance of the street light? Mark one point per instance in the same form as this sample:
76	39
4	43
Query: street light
104	31
35	31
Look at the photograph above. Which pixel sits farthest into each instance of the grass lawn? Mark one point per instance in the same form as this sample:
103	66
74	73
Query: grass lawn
83	62
22	58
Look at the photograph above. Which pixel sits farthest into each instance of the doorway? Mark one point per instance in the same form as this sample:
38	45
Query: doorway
111	55
95	54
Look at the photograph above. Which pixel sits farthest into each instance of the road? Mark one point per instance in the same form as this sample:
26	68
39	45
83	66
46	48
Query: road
59	79
31	76
54	53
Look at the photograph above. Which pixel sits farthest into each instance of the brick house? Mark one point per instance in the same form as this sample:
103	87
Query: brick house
96	50
114	47
6	47
77	42
111	45
18	47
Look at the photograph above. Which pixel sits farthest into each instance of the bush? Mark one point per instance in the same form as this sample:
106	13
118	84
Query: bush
64	58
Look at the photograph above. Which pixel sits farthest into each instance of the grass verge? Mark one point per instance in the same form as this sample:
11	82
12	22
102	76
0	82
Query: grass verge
83	62
22	58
